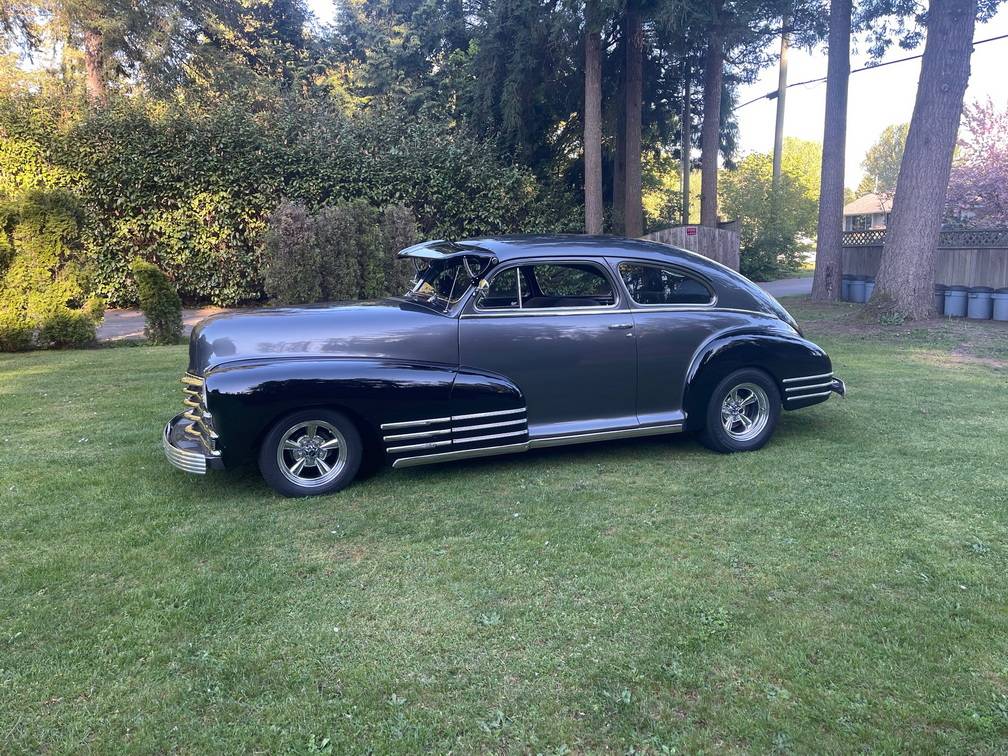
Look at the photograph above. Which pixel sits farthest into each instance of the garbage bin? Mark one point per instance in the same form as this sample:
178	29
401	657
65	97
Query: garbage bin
845	283
939	299
955	301
980	305
869	287
1000	309
857	289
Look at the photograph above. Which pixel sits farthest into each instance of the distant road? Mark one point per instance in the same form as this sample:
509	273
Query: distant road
788	287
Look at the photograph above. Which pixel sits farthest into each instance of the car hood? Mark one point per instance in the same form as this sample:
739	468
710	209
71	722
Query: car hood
390	328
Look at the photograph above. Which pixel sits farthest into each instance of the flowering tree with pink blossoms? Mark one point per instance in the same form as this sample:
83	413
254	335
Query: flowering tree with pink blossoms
978	185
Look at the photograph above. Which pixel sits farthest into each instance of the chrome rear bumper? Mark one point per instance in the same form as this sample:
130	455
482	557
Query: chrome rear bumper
185	451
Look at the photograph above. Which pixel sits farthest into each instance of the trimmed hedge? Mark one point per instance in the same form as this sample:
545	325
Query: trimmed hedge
160	303
192	189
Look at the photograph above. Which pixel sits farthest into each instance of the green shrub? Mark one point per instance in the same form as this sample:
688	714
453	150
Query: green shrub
160	303
63	327
192	186
16	333
343	251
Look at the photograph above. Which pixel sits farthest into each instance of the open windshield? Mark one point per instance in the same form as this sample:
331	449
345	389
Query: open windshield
442	283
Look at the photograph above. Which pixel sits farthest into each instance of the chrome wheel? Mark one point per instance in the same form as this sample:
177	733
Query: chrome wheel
745	412
312	453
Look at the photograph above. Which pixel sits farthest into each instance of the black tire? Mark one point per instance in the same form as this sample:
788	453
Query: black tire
315	453
763	412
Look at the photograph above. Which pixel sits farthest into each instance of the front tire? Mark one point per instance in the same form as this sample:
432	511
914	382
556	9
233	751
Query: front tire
742	413
311	453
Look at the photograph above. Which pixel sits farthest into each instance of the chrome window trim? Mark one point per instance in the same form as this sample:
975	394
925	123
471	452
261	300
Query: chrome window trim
634	304
503	312
807	378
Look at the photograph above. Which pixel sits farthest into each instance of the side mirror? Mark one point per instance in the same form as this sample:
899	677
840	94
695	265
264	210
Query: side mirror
482	288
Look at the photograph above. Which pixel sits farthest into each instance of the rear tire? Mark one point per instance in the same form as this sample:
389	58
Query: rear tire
311	453
742	413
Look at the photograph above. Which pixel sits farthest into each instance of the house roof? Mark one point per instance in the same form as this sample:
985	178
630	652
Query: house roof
868	204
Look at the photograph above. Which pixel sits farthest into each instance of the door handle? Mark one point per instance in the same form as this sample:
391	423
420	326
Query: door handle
621	326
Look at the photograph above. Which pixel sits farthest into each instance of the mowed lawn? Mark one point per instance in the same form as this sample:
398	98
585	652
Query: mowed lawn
844	589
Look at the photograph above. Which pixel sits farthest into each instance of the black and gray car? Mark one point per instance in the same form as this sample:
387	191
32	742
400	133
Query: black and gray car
500	346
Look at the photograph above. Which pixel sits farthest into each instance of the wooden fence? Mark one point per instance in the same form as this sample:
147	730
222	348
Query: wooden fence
965	258
720	244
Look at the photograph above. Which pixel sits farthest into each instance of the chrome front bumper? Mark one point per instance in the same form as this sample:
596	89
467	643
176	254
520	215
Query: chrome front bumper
838	387
185	451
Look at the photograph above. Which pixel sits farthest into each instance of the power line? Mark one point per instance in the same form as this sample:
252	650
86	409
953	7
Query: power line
773	95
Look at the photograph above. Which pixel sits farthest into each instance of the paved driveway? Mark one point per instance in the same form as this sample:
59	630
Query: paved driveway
129	324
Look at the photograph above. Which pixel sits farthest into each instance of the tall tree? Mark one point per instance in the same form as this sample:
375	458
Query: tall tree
710	129
906	274
593	120
826	284
881	163
632	210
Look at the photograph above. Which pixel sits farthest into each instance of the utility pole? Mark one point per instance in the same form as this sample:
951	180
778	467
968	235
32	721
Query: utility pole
778	145
686	145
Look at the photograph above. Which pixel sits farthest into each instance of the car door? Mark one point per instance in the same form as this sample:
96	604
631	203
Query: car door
559	330
674	312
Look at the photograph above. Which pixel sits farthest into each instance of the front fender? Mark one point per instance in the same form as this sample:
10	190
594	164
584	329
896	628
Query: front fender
781	356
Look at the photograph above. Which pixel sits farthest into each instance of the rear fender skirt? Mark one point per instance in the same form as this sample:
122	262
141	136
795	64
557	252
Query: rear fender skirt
246	398
779	355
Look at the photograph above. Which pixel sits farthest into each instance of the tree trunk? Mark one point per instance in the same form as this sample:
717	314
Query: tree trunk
826	284
619	156
593	121
633	220
710	130
94	58
906	276
686	144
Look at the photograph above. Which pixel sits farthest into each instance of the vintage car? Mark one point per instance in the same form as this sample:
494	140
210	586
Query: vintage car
501	345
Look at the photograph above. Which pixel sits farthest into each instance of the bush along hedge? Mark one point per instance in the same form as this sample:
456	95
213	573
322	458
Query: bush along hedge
342	251
192	189
46	280
160	303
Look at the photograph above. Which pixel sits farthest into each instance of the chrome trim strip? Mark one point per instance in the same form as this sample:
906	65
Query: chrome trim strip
415	423
460	428
810	386
486	451
457	441
415	447
485	414
514	264
577	438
419	434
807	377
807	396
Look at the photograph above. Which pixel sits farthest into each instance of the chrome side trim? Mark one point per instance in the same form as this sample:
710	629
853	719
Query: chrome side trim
457	441
419	434
807	378
607	309
415	423
486	451
498	413
789	389
577	438
415	447
808	396
460	428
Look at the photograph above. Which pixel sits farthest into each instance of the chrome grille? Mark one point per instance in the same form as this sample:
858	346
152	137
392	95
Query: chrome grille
201	423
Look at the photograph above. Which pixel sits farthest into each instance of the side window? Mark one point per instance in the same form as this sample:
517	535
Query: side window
654	285
546	285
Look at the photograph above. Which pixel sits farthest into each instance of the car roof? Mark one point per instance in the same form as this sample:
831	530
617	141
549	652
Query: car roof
579	245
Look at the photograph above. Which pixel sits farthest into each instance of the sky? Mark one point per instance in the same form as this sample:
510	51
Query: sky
876	99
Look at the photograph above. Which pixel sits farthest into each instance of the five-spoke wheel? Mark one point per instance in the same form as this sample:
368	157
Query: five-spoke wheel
311	452
742	412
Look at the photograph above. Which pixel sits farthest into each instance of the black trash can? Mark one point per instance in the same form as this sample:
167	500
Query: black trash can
980	305
939	299
955	301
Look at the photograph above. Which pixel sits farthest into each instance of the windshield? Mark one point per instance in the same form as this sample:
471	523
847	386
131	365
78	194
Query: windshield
443	283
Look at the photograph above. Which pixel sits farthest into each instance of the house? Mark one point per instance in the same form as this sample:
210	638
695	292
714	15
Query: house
868	212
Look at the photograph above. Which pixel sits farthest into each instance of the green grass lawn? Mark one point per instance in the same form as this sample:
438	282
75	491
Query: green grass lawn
843	589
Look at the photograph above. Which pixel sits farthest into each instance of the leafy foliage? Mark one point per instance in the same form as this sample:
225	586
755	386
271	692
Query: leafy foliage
775	230
160	303
978	184
343	251
191	189
882	161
